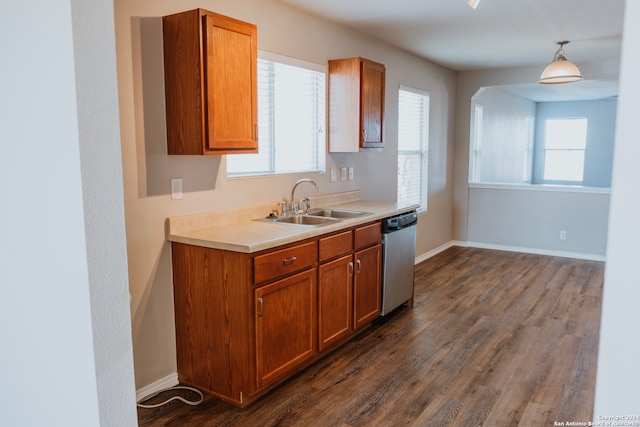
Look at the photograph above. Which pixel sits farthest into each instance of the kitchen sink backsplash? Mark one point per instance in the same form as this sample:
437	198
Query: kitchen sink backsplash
219	218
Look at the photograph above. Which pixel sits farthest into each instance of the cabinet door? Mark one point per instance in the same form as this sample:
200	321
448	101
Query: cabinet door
367	285
210	83
231	82
372	102
335	301
285	325
356	105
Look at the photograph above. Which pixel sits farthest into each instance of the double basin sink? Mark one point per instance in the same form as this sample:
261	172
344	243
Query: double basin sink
317	217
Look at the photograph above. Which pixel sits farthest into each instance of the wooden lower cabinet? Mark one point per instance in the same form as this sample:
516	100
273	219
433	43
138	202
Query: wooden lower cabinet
244	322
367	285
215	332
335	296
349	295
285	325
349	288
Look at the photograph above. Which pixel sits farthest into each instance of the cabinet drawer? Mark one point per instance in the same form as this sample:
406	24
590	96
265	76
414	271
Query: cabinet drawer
368	235
283	262
334	246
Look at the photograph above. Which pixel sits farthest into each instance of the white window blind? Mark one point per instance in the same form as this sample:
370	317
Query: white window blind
413	142
499	152
476	160
565	142
527	161
291	120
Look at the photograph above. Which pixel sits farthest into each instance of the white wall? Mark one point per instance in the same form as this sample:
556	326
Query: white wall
103	201
618	364
531	218
147	169
66	344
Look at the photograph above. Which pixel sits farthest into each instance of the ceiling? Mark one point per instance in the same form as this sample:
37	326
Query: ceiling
498	34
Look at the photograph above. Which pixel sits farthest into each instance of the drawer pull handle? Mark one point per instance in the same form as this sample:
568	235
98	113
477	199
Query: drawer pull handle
260	307
289	261
359	266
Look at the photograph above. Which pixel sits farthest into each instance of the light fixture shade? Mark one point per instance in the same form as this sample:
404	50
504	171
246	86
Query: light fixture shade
473	3
560	70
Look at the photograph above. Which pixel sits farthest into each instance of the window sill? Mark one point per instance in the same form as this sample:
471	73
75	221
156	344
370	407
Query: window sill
543	187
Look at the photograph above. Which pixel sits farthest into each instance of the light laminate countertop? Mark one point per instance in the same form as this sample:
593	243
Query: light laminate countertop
249	235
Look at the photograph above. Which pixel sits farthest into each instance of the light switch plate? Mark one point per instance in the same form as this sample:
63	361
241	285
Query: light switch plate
343	174
350	173
176	189
334	175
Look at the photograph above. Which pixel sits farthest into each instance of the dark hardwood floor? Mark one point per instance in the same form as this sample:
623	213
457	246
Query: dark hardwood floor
494	339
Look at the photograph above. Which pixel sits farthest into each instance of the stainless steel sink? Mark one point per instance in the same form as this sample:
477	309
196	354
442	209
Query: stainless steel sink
316	217
338	213
305	220
301	219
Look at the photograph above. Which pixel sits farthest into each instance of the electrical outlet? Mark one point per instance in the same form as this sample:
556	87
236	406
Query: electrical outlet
343	174
350	173
334	175
176	189
563	235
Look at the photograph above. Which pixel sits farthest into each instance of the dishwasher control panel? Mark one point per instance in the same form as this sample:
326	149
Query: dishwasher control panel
399	221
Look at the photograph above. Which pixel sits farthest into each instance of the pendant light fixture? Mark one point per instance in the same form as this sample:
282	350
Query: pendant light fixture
473	3
560	70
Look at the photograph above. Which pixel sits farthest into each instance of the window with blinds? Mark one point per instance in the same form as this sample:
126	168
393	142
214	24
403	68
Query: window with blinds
291	120
413	143
499	152
476	159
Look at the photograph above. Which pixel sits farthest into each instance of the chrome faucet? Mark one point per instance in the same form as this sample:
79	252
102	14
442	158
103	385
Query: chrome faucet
294	209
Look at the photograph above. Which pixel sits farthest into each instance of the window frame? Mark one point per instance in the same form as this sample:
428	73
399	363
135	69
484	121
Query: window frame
546	149
321	141
422	152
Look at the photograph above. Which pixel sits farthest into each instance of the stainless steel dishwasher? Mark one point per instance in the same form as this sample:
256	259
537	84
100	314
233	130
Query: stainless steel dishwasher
398	259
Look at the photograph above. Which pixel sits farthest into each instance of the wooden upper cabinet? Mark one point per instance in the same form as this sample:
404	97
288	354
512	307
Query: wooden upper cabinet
356	105
210	65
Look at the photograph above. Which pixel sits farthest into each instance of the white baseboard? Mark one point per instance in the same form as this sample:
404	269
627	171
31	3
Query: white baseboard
537	251
576	255
437	250
156	386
